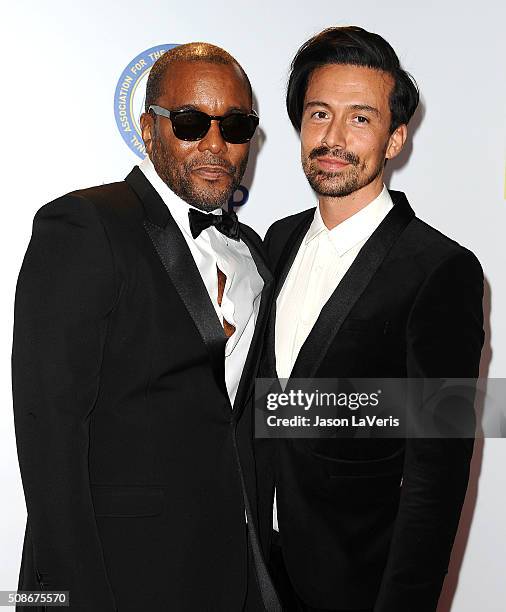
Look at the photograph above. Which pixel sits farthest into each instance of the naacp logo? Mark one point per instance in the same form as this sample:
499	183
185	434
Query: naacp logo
129	100
130	94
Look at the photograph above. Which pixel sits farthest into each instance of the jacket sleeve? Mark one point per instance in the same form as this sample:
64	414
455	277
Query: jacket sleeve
64	294
445	337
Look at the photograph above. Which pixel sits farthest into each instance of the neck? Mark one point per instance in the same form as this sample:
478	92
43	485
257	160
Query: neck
335	210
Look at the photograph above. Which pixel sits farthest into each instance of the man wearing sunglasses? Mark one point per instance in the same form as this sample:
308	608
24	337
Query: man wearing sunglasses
139	311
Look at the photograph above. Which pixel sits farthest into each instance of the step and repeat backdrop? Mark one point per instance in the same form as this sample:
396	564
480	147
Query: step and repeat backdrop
74	77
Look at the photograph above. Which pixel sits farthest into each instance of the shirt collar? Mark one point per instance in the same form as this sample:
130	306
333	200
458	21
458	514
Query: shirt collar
356	228
178	208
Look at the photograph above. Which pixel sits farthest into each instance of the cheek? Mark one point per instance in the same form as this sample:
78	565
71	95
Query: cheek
310	138
238	153
176	150
367	144
365	138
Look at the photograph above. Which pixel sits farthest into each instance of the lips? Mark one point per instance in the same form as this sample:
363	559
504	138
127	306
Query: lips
211	173
331	164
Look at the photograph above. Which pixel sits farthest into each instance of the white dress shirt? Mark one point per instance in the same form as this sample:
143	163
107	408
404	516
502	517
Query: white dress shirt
241	295
322	260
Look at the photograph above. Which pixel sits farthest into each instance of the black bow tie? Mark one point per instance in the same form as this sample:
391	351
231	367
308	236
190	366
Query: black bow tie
227	223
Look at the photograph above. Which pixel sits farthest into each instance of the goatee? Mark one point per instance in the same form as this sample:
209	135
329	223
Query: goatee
344	182
179	178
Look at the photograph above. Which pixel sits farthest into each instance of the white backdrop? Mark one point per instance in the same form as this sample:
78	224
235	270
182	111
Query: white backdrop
61	63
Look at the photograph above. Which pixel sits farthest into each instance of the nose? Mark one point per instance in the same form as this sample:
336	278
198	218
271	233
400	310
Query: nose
335	134
213	140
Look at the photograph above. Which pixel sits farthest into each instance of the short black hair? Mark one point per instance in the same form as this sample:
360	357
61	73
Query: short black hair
358	47
189	52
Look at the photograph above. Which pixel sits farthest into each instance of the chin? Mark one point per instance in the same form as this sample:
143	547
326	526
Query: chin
209	196
336	190
208	202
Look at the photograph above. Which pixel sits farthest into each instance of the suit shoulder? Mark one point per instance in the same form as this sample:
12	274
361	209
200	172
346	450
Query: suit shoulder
99	193
437	247
99	201
80	197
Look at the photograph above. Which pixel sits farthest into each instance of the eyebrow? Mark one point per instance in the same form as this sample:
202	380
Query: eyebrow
354	107
317	103
365	107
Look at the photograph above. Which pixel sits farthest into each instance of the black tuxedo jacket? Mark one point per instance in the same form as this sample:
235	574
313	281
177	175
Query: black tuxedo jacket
134	464
371	523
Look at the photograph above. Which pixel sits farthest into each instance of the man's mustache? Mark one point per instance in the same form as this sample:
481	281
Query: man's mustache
211	161
346	156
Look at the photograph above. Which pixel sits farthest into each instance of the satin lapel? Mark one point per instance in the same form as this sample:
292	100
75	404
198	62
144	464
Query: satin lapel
180	266
351	287
251	364
280	273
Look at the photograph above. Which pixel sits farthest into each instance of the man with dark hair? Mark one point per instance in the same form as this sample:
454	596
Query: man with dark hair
364	290
139	311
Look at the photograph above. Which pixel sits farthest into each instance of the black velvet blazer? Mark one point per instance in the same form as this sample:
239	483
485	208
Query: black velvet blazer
371	523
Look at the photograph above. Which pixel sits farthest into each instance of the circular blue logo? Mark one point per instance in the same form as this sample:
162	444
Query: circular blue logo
130	94
129	98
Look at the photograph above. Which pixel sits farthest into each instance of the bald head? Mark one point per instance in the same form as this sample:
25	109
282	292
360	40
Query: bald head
190	52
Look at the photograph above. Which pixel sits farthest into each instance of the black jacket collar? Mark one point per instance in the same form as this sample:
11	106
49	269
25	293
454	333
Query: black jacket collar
351	287
173	251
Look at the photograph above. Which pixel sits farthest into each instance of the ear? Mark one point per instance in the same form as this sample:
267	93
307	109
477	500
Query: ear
147	131
396	141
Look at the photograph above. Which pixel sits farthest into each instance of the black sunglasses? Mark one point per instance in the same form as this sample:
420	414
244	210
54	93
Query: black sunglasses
189	124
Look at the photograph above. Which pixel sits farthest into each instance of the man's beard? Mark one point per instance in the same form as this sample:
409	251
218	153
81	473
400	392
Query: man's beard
179	177
343	183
